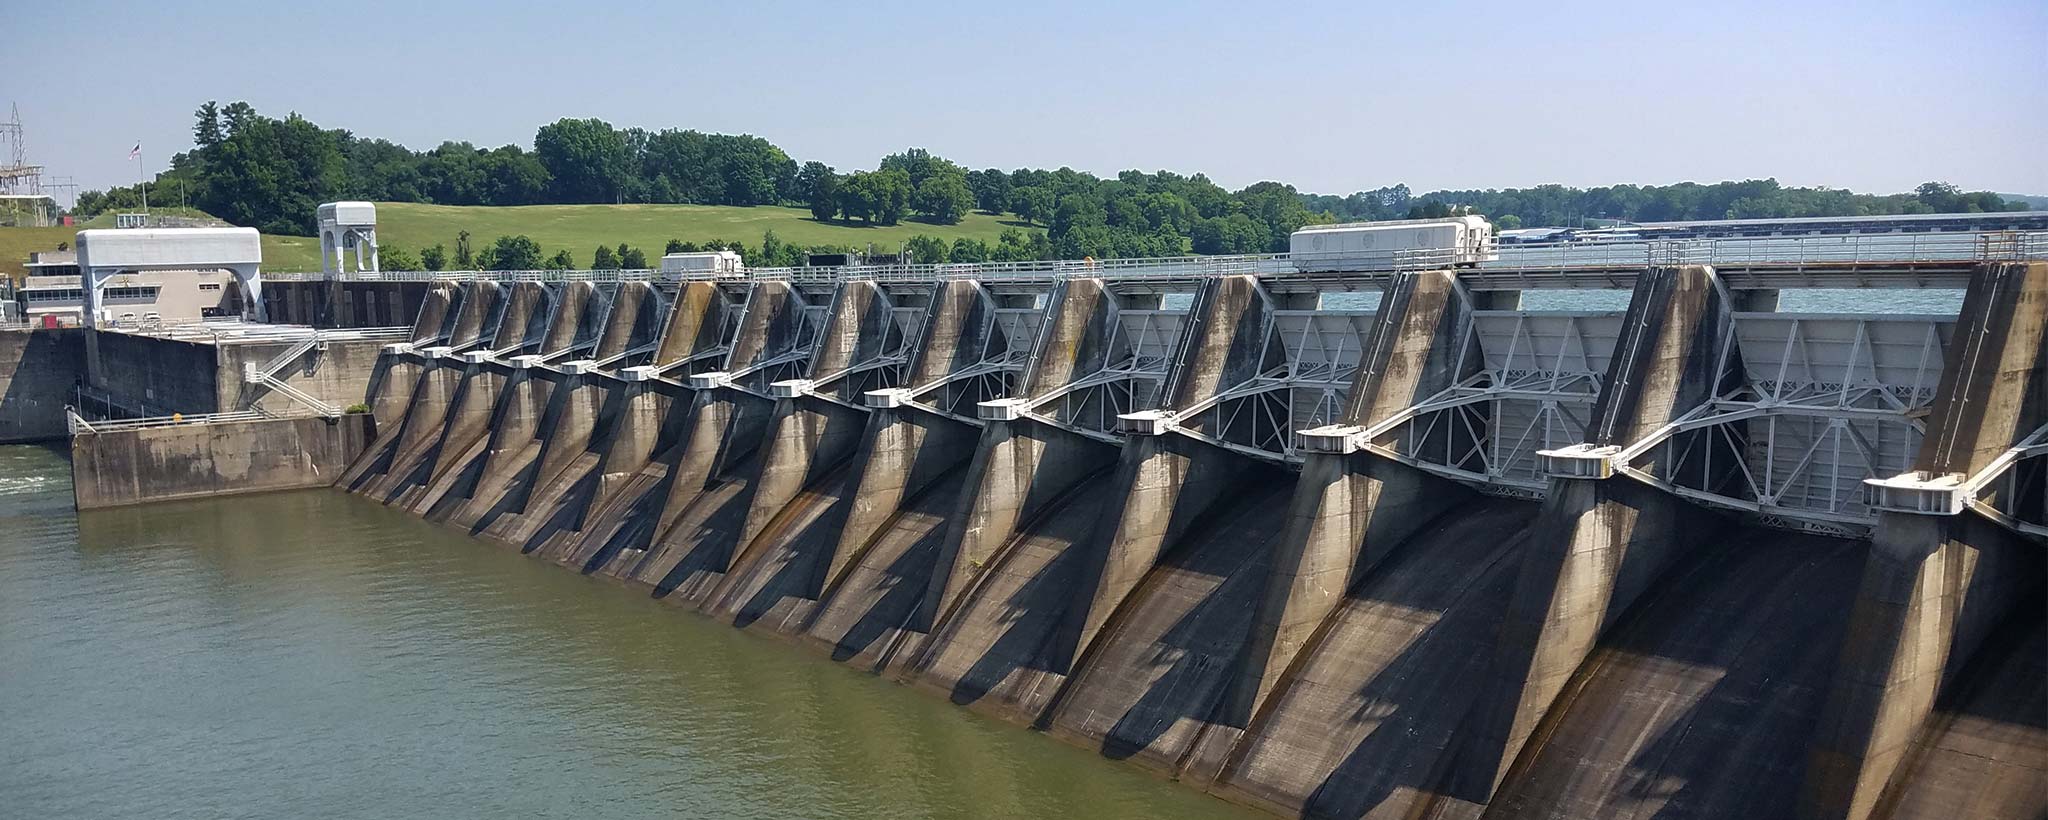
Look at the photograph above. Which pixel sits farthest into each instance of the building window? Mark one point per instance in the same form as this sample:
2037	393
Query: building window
209	286
62	295
131	293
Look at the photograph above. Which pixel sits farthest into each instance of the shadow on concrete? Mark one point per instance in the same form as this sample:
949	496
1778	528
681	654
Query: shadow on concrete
1703	702
1379	692
699	547
1670	530
1209	588
1052	548
891	575
1984	752
795	549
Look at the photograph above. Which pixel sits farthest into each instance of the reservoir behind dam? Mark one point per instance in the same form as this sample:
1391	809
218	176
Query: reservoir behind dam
315	654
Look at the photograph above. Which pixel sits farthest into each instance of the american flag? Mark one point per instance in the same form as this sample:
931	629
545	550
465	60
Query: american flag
136	152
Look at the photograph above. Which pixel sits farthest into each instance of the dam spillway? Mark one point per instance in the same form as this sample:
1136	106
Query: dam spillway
1434	556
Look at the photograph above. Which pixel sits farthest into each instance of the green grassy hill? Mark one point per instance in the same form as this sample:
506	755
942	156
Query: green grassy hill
579	228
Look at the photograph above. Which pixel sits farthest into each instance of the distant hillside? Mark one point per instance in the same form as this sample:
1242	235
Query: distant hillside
581	228
2034	201
578	228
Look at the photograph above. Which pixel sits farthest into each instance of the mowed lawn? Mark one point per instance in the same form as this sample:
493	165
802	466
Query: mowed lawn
579	228
279	252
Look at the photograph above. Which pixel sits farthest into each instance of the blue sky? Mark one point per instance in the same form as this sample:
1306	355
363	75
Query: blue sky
1332	97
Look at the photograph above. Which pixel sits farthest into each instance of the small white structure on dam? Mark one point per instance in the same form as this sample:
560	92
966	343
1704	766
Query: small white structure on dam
344	227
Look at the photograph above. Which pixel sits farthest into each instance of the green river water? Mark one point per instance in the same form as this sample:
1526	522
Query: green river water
313	654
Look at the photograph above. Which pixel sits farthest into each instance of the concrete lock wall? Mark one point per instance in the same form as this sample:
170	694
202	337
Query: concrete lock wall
157	376
135	466
325	304
38	371
1345	634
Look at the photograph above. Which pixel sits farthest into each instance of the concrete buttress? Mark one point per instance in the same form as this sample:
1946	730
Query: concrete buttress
700	522
1599	545
911	465
1935	585
799	497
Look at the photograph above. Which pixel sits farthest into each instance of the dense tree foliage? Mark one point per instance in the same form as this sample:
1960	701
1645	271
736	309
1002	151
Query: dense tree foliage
271	173
396	258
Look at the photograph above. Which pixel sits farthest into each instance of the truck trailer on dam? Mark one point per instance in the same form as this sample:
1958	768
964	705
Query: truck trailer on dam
1347	536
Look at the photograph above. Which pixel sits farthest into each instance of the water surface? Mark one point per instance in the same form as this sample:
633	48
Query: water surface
313	654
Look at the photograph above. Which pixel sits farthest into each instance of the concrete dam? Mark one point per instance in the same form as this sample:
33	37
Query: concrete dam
1335	545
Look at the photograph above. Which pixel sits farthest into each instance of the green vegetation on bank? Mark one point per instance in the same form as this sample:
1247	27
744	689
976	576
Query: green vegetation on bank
406	229
580	229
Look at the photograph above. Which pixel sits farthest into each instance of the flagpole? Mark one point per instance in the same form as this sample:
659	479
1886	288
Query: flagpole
141	179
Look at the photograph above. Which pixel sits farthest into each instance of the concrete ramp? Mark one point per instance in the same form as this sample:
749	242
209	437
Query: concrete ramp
476	317
627	443
1000	650
1157	674
1985	750
914	464
509	457
625	521
435	310
525	319
1704	702
1359	722
418	435
585	418
869	613
691	555
633	325
795	509
463	439
390	394
716	458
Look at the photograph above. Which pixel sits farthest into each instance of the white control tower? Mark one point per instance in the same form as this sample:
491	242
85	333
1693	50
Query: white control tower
344	227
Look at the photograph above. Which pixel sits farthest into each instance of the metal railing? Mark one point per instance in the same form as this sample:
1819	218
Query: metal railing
236	331
1846	251
79	426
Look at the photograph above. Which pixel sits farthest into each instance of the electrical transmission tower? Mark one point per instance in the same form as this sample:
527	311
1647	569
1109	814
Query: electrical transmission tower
17	177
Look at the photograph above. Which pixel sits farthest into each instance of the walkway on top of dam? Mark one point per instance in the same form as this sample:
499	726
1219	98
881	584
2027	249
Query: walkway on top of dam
1916	260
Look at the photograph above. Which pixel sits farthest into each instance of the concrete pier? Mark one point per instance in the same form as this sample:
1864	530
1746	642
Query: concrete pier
1935	585
1599	545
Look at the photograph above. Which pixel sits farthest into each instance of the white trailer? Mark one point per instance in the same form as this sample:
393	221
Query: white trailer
708	263
1406	244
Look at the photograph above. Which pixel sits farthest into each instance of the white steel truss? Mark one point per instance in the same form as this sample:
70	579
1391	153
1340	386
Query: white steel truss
1824	403
1006	338
886	367
711	358
1306	366
1128	378
1538	375
2013	489
791	362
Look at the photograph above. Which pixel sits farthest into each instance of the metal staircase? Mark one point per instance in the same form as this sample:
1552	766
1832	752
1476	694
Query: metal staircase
266	375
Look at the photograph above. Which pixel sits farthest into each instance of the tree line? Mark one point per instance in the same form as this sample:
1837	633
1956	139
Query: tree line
521	252
271	173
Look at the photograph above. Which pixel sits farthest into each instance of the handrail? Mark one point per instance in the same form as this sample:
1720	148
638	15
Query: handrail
79	426
1841	250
